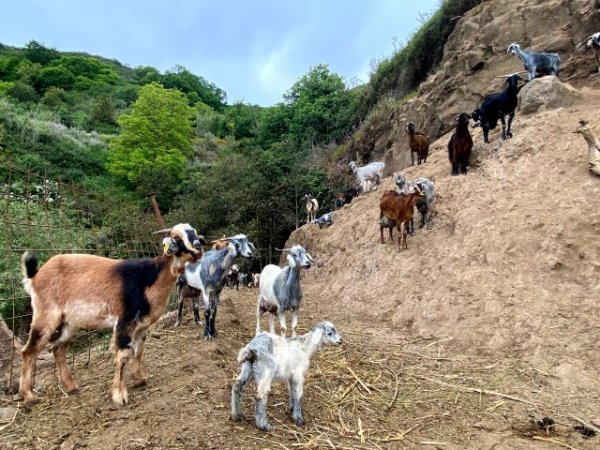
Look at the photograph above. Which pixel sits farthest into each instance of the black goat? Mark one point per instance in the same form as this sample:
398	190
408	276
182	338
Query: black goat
498	106
345	198
460	144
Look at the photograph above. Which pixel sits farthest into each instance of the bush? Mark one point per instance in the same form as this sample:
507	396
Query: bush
23	92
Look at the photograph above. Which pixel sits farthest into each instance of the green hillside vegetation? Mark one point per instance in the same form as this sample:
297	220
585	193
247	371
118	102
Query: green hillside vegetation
121	132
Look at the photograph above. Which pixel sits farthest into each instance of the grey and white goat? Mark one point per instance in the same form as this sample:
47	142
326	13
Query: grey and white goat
592	42
372	173
208	275
312	206
536	62
425	207
268	358
326	220
280	290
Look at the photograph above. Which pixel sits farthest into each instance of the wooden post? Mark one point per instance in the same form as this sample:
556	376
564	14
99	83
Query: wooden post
157	213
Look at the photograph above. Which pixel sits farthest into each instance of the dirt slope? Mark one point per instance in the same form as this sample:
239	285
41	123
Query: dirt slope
474	52
512	264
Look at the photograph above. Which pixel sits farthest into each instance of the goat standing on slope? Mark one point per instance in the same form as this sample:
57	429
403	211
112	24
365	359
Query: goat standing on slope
460	145
498	106
72	292
268	358
280	290
400	209
592	42
208	275
368	176
536	63
312	206
418	143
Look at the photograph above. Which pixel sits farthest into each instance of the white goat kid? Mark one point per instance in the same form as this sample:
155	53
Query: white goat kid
268	358
312	206
280	290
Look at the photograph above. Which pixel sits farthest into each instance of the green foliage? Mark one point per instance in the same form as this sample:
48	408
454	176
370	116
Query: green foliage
23	92
38	53
151	150
321	108
55	76
196	88
409	66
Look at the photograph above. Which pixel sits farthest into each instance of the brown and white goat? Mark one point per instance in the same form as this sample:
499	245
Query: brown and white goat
76	291
400	209
418	143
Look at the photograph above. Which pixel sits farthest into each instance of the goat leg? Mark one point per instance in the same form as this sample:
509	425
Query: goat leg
510	119
196	310
238	388
296	393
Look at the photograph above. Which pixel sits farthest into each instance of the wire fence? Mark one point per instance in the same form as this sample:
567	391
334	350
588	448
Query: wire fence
50	217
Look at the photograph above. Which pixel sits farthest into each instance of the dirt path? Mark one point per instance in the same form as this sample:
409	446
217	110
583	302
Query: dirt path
381	389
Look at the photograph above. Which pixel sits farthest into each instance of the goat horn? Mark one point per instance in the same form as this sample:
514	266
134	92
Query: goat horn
165	230
282	249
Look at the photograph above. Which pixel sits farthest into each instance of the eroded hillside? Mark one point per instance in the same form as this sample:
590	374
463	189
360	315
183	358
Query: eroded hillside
473	54
511	264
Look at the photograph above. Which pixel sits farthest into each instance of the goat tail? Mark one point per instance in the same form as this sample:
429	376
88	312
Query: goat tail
29	264
29	267
246	354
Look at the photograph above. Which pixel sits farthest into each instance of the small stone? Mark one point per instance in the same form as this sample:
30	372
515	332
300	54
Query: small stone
7	413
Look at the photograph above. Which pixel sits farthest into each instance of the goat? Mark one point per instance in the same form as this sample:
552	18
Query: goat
390	224
219	244
593	145
498	106
400	209
268	358
536	62
185	291
231	279
242	279
372	172
312	206
208	275
460	144
326	220
256	280
76	291
280	290
345	198
424	205
418	143
592	42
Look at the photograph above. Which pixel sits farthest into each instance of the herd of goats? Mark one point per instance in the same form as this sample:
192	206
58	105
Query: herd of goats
79	291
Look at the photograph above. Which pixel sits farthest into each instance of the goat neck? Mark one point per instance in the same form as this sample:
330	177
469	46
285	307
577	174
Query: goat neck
229	258
311	341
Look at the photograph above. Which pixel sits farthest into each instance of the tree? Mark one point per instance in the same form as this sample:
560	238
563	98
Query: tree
38	53
321	107
154	142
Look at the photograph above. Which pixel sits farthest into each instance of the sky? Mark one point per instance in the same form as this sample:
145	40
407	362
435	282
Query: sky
253	49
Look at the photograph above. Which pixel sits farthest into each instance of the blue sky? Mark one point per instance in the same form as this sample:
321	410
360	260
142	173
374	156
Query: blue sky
254	50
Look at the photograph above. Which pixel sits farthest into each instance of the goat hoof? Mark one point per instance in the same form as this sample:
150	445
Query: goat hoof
265	427
238	417
139	382
119	398
73	390
178	323
299	421
31	399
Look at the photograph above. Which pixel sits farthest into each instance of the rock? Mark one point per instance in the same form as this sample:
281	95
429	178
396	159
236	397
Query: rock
549	92
7	413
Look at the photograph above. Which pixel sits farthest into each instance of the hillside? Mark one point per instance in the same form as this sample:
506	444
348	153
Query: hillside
511	265
473	54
